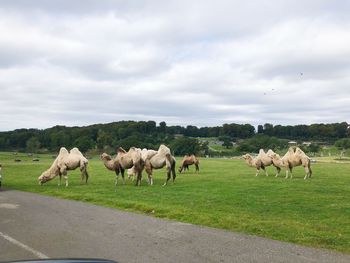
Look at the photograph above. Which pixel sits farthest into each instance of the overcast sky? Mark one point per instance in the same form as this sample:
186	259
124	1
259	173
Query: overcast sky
184	62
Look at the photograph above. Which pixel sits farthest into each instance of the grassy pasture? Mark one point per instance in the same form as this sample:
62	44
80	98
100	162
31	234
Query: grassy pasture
225	194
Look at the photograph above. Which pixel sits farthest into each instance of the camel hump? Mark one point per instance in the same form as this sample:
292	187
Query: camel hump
299	151
75	150
63	151
163	149
261	151
270	152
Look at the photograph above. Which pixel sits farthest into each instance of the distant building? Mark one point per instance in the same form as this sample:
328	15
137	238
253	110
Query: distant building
306	143
292	143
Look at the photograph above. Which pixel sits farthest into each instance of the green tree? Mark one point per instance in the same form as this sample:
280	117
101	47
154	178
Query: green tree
227	142
185	145
84	143
32	145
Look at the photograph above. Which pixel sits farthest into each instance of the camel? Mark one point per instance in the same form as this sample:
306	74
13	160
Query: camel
266	159
132	158
112	165
66	161
294	157
254	162
162	158
145	154
189	160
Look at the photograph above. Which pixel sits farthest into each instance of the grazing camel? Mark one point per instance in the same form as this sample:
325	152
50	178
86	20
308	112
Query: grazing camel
254	162
162	158
66	161
112	165
187	161
294	157
132	158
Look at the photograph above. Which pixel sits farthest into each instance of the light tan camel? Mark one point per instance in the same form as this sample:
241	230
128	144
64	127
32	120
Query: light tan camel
266	159
132	158
112	165
187	161
66	161
162	158
145	154
294	157
254	162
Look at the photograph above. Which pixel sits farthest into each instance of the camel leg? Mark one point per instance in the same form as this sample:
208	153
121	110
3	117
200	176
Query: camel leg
60	180
173	171
306	172
257	171
138	178
150	179
291	173
265	171
197	168
168	177
286	174
86	176
278	170
63	171
116	180
122	171
66	178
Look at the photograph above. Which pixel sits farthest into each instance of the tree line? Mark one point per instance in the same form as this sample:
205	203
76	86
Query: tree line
147	134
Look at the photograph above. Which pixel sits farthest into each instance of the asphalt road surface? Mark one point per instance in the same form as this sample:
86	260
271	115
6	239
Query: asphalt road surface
34	226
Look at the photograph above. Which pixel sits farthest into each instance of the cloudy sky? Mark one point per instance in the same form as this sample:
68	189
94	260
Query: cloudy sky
184	62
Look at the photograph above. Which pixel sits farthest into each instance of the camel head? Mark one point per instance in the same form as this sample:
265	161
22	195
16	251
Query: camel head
246	157
44	177
105	156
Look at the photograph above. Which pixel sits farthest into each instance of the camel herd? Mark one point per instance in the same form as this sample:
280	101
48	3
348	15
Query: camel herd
294	157
134	161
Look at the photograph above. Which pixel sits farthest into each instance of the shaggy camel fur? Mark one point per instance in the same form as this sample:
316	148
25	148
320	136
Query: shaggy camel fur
254	162
66	161
112	165
159	160
132	158
294	157
145	155
187	161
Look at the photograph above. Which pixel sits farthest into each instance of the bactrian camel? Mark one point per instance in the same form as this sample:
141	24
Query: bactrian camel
66	161
132	158
187	161
294	157
261	161
112	165
145	155
254	162
159	160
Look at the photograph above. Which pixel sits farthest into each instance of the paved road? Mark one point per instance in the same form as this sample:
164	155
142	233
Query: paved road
35	226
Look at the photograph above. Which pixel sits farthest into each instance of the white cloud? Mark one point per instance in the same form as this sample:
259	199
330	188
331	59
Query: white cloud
185	62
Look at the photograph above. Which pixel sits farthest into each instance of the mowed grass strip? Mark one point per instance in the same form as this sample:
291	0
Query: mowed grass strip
225	194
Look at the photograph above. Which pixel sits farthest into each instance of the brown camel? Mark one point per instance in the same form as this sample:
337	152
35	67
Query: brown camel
187	161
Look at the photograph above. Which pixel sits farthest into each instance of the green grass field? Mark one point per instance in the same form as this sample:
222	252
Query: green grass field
225	194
